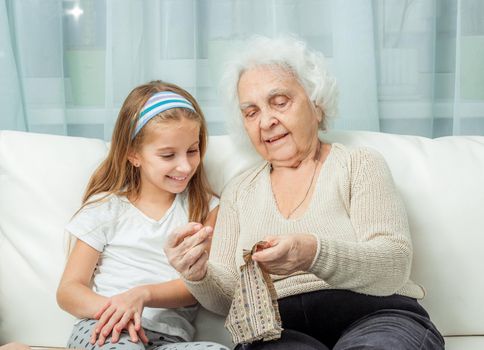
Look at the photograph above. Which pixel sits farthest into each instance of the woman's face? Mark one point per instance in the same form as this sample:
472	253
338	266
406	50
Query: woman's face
281	121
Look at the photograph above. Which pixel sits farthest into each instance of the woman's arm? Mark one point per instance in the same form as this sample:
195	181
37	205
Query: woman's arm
379	261
74	293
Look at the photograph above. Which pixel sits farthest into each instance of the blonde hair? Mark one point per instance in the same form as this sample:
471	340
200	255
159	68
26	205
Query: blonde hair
116	175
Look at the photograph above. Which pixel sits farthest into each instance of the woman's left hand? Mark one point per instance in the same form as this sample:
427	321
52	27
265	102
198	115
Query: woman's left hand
287	254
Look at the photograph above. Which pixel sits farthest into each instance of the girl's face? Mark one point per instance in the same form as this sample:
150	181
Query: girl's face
169	156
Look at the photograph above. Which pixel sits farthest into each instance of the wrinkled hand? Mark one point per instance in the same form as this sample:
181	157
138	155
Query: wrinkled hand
122	311
187	250
287	254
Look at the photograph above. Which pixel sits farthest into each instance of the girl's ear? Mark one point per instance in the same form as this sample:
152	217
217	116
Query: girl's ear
133	158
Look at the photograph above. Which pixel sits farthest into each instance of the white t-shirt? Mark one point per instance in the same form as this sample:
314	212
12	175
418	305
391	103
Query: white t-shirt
131	247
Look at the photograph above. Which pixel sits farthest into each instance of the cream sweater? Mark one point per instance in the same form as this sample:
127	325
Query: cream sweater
355	213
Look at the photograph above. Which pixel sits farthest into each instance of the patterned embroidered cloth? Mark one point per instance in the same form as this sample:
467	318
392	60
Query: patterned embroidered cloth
254	313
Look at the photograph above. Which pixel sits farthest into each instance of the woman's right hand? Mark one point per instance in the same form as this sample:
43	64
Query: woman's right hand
187	250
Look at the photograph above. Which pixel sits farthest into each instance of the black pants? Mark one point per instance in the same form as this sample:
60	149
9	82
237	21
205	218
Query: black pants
340	319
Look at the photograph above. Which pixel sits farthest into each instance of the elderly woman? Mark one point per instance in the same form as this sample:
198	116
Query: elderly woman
339	249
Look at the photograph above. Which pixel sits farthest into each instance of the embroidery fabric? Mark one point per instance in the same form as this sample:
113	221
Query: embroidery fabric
254	313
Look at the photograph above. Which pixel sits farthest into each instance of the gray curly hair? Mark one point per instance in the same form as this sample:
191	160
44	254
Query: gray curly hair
290	54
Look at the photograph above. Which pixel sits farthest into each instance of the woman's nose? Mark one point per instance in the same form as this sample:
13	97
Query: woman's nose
267	119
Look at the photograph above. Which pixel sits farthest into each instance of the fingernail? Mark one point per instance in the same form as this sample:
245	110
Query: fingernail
208	229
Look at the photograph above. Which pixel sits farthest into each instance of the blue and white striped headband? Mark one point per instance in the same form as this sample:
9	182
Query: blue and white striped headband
160	102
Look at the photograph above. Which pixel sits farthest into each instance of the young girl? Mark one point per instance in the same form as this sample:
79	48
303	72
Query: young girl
151	182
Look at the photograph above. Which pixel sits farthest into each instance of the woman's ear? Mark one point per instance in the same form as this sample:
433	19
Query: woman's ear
319	112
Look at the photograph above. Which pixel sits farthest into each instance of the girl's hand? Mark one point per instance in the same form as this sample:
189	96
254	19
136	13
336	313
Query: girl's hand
187	250
134	334
287	254
121	311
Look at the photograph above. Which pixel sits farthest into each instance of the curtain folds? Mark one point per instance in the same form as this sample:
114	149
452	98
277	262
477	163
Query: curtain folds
403	66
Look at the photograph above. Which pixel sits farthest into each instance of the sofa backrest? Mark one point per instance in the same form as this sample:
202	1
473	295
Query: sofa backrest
42	178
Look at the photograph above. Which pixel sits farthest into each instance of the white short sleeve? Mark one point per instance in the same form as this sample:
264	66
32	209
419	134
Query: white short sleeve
90	224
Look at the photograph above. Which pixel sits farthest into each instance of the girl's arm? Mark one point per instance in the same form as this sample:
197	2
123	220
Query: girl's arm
125	309
74	293
120	309
210	221
211	218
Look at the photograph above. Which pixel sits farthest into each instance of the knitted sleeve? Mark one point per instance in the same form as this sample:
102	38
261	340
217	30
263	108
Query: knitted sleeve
378	262
215	291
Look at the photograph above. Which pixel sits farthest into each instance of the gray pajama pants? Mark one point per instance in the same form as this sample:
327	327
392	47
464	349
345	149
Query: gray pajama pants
81	334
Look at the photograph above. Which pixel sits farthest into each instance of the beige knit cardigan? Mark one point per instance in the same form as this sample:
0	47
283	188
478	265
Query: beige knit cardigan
355	213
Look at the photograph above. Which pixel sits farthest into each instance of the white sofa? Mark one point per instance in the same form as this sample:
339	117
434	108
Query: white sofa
42	178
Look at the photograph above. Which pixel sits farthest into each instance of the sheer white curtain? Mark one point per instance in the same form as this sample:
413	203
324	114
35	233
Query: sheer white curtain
403	66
